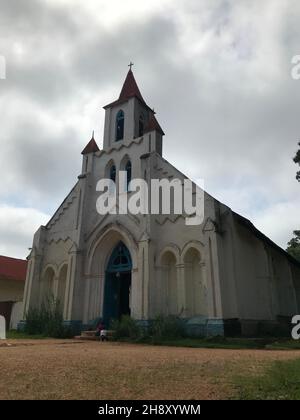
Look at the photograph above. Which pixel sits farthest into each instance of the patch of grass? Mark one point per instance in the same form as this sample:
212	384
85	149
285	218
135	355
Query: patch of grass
209	343
284	345
223	343
280	381
14	334
218	342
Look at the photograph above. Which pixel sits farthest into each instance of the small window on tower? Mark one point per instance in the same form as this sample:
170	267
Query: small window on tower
128	171
141	125
120	126
112	173
112	176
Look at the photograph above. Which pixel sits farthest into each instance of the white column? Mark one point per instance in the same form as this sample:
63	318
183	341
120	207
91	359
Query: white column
70	288
136	312
181	294
142	307
33	283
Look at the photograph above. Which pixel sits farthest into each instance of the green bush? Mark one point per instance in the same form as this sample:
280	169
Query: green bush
126	327
167	327
47	320
162	328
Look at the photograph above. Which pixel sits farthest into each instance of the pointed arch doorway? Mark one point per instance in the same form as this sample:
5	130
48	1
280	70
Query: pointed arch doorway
117	287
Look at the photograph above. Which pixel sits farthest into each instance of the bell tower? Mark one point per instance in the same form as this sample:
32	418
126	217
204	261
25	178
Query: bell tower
129	117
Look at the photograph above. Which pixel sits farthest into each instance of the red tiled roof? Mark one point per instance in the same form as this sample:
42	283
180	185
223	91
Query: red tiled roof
154	125
129	90
12	268
91	147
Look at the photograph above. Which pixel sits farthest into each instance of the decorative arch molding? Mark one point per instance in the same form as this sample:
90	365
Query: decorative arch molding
47	282
103	242
195	282
61	266
61	238
99	226
173	249
108	167
199	246
51	266
167	286
118	147
109	236
125	159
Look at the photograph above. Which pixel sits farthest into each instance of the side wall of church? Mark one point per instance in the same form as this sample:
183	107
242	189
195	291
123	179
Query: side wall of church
265	284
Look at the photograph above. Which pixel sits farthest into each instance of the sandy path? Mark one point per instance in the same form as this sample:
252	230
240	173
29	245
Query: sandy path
59	369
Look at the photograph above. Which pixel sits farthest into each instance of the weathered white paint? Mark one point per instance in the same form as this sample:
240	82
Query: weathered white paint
2	328
16	315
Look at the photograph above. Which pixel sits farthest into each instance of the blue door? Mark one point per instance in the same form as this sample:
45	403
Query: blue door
117	284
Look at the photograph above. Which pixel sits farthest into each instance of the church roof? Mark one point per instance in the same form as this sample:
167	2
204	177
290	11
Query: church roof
12	268
154	125
129	90
91	147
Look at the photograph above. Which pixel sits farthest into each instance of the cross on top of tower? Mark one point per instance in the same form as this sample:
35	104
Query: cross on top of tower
130	64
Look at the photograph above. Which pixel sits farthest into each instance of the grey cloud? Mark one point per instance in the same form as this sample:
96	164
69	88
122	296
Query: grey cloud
229	110
40	164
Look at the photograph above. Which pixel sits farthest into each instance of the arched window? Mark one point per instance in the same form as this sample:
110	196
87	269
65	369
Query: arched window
120	259
141	125
112	173
62	279
120	125
47	286
169	284
195	286
128	171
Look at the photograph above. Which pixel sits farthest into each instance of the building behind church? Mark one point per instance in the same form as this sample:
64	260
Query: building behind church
220	277
12	282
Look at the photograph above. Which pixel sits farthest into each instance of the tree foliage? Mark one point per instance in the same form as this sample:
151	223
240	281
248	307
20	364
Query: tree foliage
297	160
294	246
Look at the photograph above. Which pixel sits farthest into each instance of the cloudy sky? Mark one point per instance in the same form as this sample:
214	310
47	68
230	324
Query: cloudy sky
218	74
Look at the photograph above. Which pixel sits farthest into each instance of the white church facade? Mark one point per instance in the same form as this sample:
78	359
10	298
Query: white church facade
220	277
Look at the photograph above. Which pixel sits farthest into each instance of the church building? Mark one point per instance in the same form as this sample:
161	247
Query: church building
220	277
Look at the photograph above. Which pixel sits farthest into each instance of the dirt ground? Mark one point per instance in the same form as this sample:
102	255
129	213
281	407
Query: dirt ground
68	369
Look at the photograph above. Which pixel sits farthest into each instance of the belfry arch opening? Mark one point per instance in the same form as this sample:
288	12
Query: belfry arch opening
117	287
